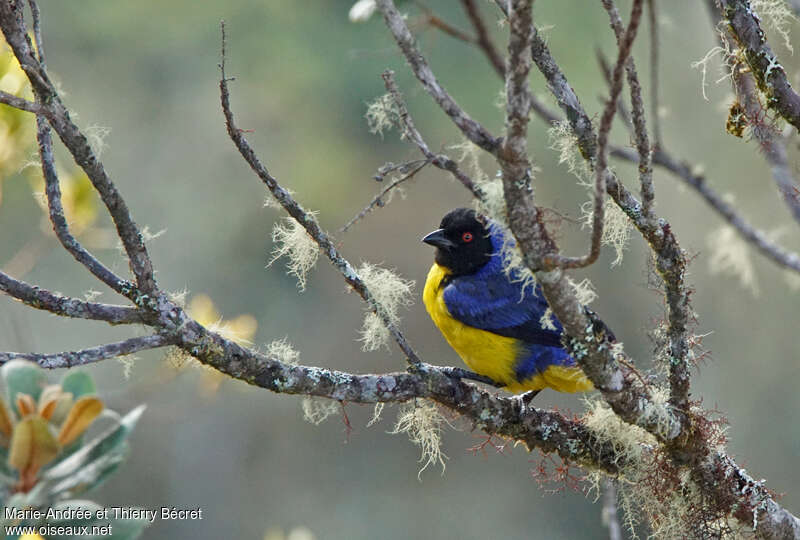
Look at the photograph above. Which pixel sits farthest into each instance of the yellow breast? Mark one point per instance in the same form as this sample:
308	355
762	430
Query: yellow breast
491	354
486	353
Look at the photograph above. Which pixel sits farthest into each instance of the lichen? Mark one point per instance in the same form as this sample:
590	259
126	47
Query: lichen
422	422
316	409
293	242
391	292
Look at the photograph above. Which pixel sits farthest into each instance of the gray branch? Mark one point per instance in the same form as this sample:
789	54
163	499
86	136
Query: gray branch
43	299
15	31
304	218
92	354
402	35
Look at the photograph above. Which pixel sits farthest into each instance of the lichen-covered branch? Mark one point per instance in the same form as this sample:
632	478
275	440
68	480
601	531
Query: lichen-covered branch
59	221
45	300
14	29
770	75
92	354
637	116
411	132
598	209
669	257
419	65
304	218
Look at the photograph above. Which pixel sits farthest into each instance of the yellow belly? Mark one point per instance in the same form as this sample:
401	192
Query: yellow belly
491	354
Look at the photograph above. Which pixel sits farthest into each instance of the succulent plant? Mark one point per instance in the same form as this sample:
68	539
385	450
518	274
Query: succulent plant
45	459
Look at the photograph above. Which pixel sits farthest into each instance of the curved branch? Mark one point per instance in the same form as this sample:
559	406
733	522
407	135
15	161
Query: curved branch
66	306
14	29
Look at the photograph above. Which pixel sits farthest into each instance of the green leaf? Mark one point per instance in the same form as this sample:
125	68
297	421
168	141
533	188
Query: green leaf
90	465
32	445
23	377
78	383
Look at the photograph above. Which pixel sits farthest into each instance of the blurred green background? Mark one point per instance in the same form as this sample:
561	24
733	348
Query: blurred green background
148	71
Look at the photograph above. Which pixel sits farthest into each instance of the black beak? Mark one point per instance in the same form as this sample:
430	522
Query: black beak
439	240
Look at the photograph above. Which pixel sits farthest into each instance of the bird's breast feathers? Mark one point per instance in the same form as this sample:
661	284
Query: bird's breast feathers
500	351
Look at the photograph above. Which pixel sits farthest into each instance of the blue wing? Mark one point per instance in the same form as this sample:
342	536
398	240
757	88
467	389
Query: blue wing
489	300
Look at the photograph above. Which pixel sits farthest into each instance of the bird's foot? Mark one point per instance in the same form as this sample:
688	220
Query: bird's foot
527	397
460	373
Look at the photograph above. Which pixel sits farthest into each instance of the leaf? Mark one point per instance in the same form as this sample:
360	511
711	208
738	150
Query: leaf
24	377
79	383
32	445
82	414
25	405
106	443
6	423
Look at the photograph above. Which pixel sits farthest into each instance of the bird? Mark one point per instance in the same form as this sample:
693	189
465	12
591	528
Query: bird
488	314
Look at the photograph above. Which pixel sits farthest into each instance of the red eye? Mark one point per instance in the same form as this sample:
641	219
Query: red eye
467	237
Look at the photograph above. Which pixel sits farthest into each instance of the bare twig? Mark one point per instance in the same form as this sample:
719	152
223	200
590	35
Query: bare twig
92	354
606	120
411	132
622	109
378	200
58	220
484	40
19	103
655	117
304	218
432	19
402	35
638	117
68	307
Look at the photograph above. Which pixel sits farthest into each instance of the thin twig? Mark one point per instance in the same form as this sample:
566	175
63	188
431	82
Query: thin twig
606	120
56	213
19	103
92	354
432	19
378	199
15	32
655	116
638	118
622	109
411	132
484	40
305	219
474	131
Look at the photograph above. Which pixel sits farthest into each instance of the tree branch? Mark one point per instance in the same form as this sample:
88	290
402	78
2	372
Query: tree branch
606	120
304	218
92	354
770	75
13	26
43	299
56	213
411	132
408	46
484	40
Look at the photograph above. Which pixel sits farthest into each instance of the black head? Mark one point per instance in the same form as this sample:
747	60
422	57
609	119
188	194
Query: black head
462	242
